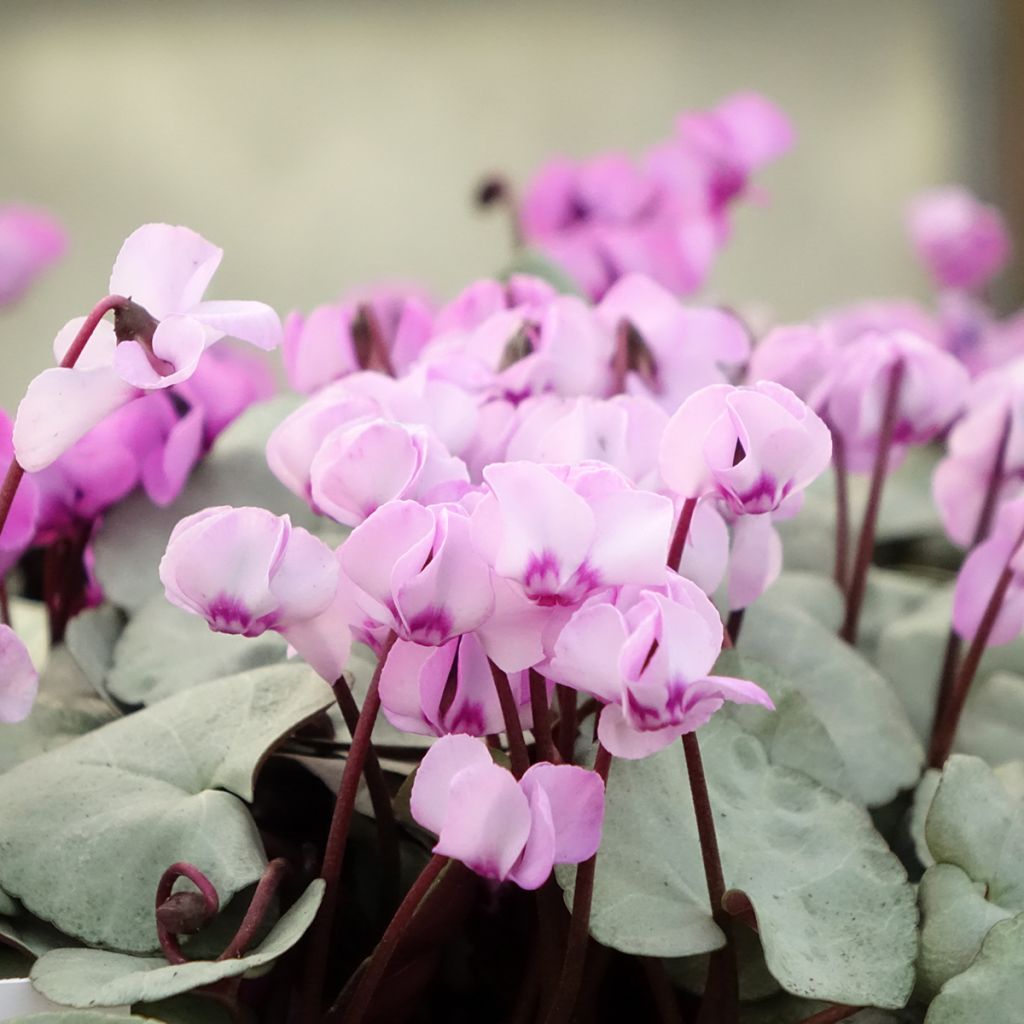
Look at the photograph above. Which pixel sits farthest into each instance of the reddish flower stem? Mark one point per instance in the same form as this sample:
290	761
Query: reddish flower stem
568	722
540	706
9	488
951	658
334	853
720	1004
262	900
168	941
945	727
866	541
832	1014
5	604
579	924
675	551
517	751
842	510
374	969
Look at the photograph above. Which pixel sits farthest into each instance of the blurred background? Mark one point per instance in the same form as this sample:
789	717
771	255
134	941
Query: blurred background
328	144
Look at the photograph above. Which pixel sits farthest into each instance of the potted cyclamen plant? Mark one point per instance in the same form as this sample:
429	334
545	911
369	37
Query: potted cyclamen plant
522	661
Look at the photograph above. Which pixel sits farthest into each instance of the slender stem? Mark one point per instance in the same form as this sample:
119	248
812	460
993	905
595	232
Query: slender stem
734	625
985	516
945	728
262	900
675	551
663	995
721	992
842	510
334	853
517	752
579	924
164	890
568	722
374	968
832	1014
496	190
5	604
866	541
540	705
12	480
376	784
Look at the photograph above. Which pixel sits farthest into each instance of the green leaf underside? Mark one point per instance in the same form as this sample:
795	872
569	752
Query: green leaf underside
124	802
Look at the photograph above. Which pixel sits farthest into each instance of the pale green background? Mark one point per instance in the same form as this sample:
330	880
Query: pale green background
327	144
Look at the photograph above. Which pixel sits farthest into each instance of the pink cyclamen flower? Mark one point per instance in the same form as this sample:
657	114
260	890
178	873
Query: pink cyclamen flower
247	571
962	242
165	270
798	357
753	448
980	574
365	464
332	341
416	571
561	532
674	349
501	828
647	654
995	405
19	681
30	242
932	393
447	689
479	301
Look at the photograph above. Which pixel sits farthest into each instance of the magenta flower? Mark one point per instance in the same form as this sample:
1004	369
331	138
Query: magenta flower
980	573
246	570
527	295
675	349
416	571
331	341
19	681
755	449
501	828
165	270
962	242
561	532
366	464
30	242
447	689
932	393
646	653
19	530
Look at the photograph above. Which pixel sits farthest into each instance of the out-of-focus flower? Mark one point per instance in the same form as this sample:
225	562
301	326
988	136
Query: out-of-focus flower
962	242
752	448
522	293
333	341
19	680
30	242
561	532
501	828
995	404
798	357
980	573
931	394
646	653
20	528
165	271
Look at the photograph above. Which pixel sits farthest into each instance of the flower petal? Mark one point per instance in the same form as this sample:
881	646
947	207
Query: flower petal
576	798
19	680
432	783
254	322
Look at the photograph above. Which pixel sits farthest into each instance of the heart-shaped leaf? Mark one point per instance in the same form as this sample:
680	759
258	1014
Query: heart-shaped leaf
846	693
134	534
87	829
91	977
836	914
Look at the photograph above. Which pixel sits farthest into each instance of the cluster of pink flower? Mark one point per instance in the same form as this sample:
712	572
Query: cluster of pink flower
541	491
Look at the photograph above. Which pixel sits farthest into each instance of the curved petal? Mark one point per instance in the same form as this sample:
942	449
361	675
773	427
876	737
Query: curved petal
254	322
165	268
631	538
410	670
325	640
432	784
755	560
622	740
975	586
587	651
681	456
534	866
512	633
60	407
576	799
305	580
19	680
178	345
166	468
